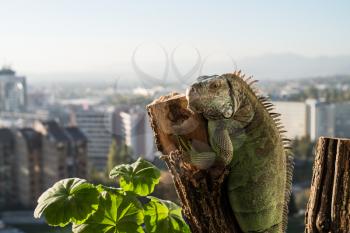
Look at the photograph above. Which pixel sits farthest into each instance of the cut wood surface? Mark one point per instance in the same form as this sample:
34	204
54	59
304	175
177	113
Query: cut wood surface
328	208
203	198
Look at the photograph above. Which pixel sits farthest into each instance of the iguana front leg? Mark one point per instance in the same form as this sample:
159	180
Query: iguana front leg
220	141
222	149
201	160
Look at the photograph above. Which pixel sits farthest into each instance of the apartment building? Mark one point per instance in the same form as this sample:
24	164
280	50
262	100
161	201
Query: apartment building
7	169
64	152
28	166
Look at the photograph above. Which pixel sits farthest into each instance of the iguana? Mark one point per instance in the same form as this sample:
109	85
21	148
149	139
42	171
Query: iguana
246	135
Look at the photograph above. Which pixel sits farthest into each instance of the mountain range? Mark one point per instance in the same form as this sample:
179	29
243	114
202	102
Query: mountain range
277	67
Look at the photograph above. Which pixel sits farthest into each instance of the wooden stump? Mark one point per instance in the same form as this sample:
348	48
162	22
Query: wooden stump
328	209
204	201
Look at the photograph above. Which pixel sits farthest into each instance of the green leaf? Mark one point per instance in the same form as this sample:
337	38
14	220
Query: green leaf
117	213
164	216
105	189
139	177
69	200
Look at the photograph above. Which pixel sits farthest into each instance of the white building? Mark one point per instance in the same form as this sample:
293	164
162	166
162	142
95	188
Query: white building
320	119
315	118
96	124
342	119
329	119
293	117
133	127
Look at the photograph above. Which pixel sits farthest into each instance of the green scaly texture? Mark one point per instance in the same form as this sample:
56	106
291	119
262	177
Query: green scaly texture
246	135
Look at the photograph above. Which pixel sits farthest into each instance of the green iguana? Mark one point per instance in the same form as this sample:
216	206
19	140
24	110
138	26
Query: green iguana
245	134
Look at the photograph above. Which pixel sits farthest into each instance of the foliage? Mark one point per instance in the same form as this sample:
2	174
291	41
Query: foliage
296	224
163	216
292	207
116	213
303	148
139	177
75	196
328	94
118	153
112	155
97	208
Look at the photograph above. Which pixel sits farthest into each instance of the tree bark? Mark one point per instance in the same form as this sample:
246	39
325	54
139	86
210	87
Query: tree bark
328	209
202	192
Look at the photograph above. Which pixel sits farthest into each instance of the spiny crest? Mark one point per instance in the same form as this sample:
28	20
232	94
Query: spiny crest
248	80
288	190
285	141
265	101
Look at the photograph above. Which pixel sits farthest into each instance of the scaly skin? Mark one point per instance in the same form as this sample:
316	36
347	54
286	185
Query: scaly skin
244	135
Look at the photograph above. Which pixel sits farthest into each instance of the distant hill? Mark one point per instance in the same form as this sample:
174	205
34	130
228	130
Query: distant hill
291	66
280	67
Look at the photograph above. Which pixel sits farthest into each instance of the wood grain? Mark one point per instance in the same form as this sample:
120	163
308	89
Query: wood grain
202	192
328	209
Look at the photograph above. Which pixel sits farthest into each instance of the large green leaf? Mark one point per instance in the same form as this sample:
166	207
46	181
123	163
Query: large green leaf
164	216
69	200
139	177
117	213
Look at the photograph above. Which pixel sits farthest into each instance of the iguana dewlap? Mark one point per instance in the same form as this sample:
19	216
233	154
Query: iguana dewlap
247	136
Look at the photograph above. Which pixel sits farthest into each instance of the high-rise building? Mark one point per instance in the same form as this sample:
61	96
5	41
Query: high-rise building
315	118
32	160
7	169
342	119
64	152
132	126
97	126
293	117
328	119
320	118
13	91
77	152
28	166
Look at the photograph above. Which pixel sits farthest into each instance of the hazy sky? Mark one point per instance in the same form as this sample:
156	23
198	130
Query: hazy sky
100	36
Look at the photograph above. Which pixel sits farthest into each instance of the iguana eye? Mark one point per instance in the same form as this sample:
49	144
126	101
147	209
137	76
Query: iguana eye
214	85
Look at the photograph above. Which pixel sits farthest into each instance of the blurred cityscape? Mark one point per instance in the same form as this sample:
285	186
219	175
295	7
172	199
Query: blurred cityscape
50	132
75	77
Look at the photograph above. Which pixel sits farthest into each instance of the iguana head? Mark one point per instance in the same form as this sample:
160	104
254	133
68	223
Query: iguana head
211	95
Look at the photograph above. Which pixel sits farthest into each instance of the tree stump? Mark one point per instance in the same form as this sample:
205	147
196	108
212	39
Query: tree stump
204	202
328	209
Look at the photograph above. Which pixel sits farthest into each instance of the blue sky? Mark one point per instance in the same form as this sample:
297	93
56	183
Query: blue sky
66	36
